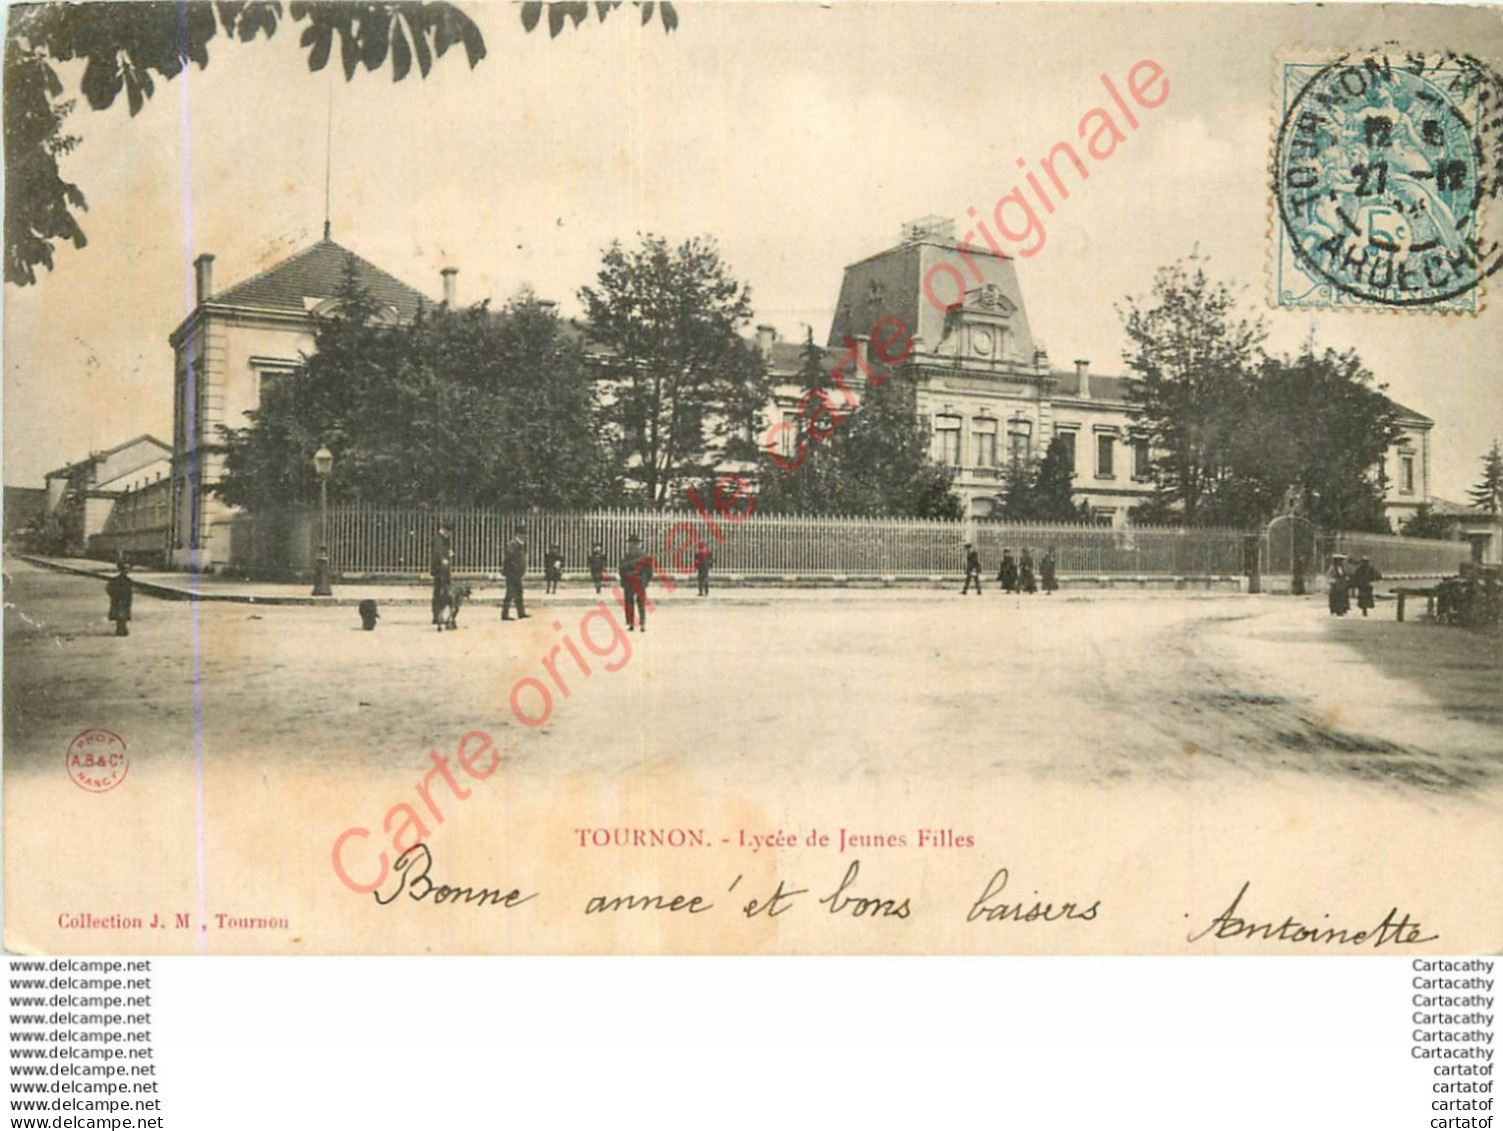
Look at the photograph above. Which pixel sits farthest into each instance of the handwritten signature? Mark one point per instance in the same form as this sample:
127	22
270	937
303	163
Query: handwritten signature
1393	929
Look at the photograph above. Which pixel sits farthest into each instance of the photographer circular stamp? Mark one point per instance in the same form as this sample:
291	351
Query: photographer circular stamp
97	761
1380	175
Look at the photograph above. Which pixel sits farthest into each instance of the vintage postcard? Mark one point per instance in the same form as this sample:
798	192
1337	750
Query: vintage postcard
600	478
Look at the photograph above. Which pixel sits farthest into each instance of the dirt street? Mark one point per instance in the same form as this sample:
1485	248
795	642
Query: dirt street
257	733
803	684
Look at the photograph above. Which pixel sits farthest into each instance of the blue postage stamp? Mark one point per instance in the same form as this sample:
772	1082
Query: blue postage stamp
1381	168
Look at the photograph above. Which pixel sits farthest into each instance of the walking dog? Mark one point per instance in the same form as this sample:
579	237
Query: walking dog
458	594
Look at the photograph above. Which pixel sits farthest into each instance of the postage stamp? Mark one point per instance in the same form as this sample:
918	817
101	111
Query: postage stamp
1381	171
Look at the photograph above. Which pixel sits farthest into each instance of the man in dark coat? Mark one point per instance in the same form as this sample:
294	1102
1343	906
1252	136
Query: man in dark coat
442	578
702	562
514	569
440	550
1048	579
118	587
1007	573
1025	571
972	570
596	562
1362	581
636	573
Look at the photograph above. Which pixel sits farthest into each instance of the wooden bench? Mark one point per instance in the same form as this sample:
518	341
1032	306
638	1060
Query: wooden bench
1402	591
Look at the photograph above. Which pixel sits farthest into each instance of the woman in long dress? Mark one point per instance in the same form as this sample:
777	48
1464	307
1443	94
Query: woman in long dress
1339	591
1048	577
1025	571
1007	573
1363	578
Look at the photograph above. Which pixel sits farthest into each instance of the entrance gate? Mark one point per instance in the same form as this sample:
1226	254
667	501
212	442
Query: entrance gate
1291	549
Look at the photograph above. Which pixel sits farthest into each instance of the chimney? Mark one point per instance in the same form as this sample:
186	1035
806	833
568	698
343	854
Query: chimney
203	274
448	274
1083	375
766	335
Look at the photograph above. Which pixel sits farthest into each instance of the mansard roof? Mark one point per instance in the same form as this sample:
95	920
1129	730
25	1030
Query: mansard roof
898	283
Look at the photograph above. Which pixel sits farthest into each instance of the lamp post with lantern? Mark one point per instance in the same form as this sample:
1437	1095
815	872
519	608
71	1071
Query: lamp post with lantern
323	465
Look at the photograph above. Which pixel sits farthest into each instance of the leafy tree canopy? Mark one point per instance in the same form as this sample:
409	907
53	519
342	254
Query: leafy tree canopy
1238	435
1191	356
577	12
667	321
1487	495
128	47
460	408
1425	523
1042	490
873	461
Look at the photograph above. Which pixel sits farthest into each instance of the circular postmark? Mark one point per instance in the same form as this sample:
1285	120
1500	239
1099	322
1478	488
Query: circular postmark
1380	176
97	760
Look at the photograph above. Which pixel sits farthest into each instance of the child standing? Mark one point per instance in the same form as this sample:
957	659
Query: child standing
553	569
596	562
118	587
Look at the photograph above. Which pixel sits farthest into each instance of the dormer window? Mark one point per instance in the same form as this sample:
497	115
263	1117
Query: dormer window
384	315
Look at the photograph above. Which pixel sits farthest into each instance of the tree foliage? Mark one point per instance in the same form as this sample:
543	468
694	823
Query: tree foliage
883	462
679	381
1238	435
1425	523
1191	357
1042	490
1314	441
459	408
578	12
1487	495
128	47
39	203
873	459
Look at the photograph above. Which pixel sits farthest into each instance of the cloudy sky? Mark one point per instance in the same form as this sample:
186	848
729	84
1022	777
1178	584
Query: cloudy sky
800	136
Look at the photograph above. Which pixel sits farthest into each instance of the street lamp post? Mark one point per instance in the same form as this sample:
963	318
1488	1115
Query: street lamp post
323	464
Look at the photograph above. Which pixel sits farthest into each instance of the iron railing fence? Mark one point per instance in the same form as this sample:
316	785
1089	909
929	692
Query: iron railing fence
369	540
1392	554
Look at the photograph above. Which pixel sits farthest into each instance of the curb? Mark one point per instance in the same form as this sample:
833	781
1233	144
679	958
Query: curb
733	584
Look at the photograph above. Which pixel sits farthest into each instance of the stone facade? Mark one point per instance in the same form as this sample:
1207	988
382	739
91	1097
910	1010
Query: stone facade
987	390
226	351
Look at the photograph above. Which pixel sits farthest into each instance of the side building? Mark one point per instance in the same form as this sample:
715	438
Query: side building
1406	468
229	348
82	498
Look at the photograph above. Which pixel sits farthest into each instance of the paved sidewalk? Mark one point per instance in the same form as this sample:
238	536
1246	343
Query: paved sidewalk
177	586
